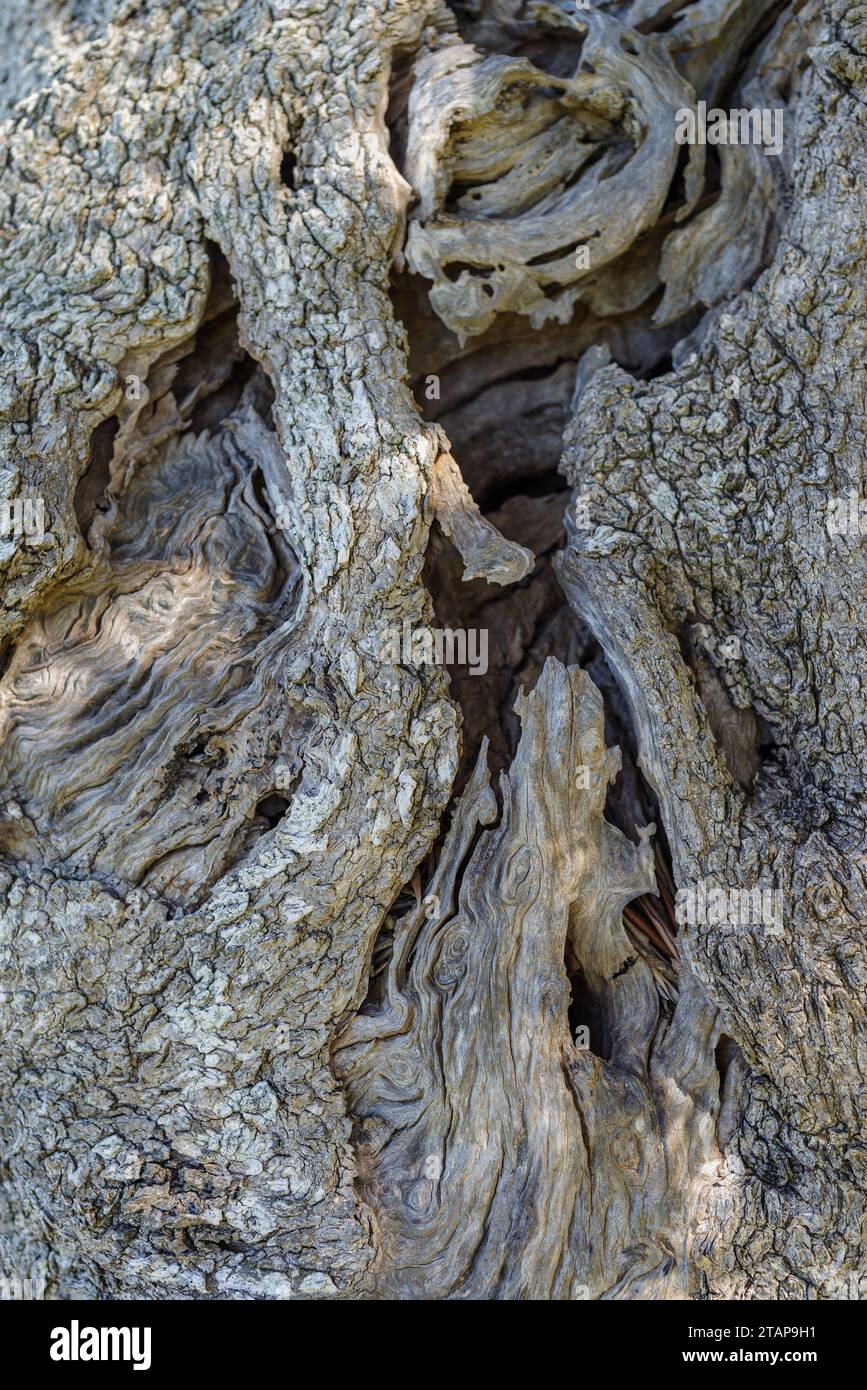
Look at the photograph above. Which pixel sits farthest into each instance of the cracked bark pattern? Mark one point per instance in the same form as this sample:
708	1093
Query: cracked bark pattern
236	1060
723	530
176	1125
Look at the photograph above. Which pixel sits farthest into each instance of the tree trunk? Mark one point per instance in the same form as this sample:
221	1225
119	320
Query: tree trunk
342	957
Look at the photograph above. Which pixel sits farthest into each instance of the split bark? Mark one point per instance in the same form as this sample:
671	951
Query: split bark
294	995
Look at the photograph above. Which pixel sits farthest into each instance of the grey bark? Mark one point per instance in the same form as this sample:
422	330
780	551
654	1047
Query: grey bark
297	941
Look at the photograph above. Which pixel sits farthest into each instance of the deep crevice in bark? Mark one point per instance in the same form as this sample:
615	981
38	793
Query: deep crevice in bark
94	482
202	711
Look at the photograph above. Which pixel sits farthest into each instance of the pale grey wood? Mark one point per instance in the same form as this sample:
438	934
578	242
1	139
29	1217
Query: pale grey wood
282	1017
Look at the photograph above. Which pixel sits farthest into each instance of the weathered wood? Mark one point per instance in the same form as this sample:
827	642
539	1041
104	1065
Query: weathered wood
297	999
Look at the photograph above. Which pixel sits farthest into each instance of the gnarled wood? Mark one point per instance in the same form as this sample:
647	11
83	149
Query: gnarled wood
297	1000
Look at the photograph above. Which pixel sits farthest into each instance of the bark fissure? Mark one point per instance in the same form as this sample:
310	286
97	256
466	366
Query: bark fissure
324	325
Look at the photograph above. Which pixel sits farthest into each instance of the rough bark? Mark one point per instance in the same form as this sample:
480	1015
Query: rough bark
293	989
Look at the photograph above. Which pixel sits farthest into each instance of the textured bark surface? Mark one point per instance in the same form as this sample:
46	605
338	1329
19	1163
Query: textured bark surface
332	975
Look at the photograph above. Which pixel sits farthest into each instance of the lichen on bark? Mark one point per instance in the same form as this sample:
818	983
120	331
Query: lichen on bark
299	945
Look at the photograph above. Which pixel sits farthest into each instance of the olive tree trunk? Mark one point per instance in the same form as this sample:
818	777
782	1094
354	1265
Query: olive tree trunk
331	968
